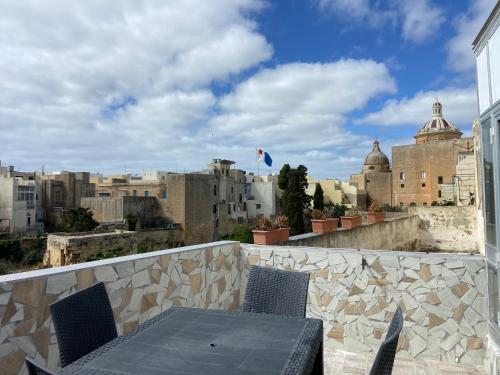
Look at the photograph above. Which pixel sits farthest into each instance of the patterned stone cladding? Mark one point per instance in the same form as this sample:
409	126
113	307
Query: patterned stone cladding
443	297
139	287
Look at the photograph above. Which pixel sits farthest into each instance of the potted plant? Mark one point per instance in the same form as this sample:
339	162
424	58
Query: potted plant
268	232
375	213
321	223
352	220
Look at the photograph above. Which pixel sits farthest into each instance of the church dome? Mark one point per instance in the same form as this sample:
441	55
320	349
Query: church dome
438	128
376	161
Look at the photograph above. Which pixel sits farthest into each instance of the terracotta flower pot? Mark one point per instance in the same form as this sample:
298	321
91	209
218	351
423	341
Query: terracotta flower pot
324	226
375	217
350	222
261	237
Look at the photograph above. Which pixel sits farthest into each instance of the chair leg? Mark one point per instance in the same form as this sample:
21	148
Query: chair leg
318	368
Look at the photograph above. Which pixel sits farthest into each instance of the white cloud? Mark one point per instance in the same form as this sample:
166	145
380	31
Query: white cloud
104	86
418	19
467	26
459	106
367	11
421	20
65	69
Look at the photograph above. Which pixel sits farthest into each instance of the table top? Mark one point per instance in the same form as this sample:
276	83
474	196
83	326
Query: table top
196	341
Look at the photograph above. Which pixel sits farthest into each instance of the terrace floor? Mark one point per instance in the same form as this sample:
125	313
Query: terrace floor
344	363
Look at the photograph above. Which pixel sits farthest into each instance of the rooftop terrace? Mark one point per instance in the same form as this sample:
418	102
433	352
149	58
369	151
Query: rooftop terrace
355	292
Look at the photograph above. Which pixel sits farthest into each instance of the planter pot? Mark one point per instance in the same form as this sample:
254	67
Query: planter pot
350	222
376	217
324	226
261	237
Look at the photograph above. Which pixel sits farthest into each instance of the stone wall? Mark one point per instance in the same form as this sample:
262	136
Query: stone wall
399	233
139	287
443	297
70	248
448	228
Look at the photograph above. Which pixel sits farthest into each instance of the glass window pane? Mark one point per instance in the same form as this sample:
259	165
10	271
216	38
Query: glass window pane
483	81
493	293
494	50
489	184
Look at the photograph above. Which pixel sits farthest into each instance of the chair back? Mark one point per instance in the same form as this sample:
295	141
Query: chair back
83	322
382	365
273	291
36	369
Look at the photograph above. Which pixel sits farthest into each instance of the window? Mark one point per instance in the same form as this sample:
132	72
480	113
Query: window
29	220
494	51
134	193
461	157
232	190
423	175
402	186
229	208
401	175
423	184
164	194
215	190
146	193
489	183
214	209
257	206
371	167
440	179
240	220
244	206
425	204
367	181
58	196
439	193
241	198
483	86
401	204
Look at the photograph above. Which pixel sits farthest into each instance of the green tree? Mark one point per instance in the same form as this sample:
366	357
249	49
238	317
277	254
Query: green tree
283	177
295	198
78	220
319	198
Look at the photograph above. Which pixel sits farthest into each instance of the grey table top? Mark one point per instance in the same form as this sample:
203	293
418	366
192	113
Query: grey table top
195	341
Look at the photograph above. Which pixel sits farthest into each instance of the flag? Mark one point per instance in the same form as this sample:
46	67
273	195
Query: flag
265	157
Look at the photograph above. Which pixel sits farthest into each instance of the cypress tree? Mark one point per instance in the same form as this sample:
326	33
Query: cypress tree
319	199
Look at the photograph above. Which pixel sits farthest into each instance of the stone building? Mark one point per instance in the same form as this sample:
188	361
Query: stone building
336	191
207	204
21	208
376	178
439	167
63	191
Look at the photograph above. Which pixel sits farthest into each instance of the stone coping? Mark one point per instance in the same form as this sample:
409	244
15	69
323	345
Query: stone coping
415	254
21	276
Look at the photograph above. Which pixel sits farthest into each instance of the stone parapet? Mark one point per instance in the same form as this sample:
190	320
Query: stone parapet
355	293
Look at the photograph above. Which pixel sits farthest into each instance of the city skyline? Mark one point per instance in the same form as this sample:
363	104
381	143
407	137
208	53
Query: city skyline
149	86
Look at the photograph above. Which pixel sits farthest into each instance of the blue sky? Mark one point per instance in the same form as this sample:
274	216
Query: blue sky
131	85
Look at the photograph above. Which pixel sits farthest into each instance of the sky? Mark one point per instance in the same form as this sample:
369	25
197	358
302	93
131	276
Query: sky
129	85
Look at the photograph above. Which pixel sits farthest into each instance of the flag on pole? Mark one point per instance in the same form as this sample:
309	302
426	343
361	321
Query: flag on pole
265	157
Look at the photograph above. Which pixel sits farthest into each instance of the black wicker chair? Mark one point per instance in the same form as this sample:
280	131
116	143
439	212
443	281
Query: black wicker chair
83	322
273	291
35	369
382	365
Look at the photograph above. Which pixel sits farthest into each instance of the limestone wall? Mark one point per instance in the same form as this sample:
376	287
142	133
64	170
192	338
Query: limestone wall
443	297
399	233
139	287
70	248
448	228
